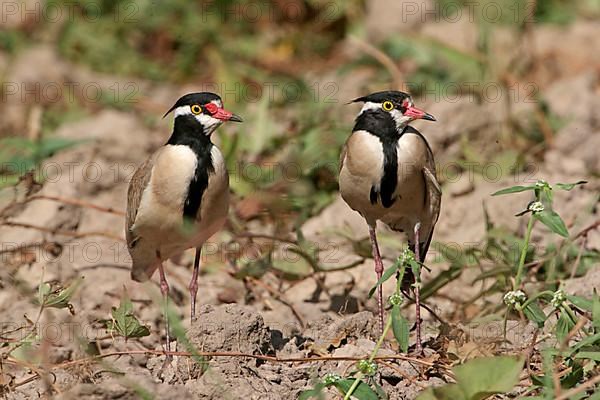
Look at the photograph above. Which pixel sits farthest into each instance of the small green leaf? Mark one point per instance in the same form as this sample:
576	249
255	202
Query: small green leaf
538	380
362	391
553	221
442	279
415	266
380	392
569	186
387	274
534	313
596	312
589	355
513	189
58	298
545	195
563	326
593	340
124	322
293	264
449	391
494	272
263	121
580	302
400	328
49	146
27	349
574	377
254	268
401	271
482	377
315	392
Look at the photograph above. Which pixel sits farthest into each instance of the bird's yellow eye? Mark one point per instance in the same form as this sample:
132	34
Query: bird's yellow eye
387	105
196	109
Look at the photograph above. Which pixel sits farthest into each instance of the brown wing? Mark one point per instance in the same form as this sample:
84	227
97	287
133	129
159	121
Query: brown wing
343	156
138	183
434	193
434	197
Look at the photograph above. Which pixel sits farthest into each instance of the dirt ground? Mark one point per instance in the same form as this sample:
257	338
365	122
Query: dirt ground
326	315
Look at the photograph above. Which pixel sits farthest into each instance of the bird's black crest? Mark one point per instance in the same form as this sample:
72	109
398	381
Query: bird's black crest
379	97
194	98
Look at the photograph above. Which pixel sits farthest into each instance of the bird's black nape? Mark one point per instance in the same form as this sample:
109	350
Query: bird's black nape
380	97
194	98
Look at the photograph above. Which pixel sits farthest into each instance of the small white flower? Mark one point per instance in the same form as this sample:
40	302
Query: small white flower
367	368
331	378
407	256
535	207
396	299
515	298
559	297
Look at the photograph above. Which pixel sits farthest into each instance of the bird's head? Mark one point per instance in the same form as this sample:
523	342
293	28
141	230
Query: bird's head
205	109
397	105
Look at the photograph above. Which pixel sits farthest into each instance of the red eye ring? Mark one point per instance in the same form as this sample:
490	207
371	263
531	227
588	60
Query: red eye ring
211	107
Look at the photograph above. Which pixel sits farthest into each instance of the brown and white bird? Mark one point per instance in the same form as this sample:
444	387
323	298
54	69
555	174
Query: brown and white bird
179	197
387	173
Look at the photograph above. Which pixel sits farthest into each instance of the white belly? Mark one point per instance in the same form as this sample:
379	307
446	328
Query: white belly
160	222
363	169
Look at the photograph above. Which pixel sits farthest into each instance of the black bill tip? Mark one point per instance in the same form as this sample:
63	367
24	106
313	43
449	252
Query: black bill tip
428	117
236	118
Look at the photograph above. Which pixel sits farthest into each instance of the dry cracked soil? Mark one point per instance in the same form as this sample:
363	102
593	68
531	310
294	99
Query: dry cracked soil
331	316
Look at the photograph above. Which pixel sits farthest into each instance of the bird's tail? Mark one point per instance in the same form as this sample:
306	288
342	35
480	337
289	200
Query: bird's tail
142	273
144	263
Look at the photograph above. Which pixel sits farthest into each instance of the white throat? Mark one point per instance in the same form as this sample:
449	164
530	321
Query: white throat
400	119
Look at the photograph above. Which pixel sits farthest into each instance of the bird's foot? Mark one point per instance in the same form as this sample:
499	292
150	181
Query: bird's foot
168	359
418	351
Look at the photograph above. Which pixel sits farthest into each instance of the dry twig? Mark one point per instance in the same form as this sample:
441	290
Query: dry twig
62	232
237	354
75	202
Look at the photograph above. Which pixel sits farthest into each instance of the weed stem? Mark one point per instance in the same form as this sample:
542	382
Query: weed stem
371	358
524	253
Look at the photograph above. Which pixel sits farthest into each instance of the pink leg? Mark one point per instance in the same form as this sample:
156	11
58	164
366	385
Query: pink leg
194	284
419	347
379	272
164	289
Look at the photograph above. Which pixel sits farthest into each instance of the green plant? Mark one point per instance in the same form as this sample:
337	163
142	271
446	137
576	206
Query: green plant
540	210
360	382
478	379
56	296
124	323
49	295
19	155
399	323
571	312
